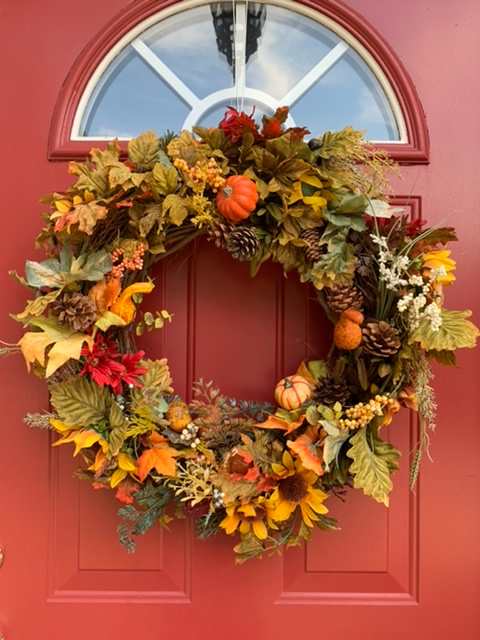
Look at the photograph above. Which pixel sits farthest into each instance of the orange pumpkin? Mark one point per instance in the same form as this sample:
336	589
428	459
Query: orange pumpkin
292	391
237	199
178	415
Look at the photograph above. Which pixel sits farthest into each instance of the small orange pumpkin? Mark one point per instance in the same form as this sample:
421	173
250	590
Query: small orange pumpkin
178	415
347	334
292	391
237	199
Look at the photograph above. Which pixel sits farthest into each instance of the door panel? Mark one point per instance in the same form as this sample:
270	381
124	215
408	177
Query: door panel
407	572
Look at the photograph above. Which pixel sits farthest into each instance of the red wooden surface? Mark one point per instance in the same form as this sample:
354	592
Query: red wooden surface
409	572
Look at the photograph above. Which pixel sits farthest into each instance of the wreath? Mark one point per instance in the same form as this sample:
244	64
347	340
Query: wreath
261	192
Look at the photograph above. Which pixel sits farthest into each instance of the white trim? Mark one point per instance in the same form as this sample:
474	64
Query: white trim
160	68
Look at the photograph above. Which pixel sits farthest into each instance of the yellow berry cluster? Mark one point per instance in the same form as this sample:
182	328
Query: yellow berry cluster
132	263
209	175
361	414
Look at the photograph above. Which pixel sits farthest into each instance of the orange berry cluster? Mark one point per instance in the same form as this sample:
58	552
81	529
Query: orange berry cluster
361	414
209	175
132	263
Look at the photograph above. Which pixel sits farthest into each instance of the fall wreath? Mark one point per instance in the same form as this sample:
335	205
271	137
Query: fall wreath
262	192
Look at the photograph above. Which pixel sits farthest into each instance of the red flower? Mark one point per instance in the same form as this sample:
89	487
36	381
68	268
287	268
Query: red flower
235	124
129	371
101	364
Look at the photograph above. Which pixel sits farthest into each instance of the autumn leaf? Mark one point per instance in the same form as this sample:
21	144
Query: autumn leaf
177	208
144	149
454	333
306	448
66	345
161	458
276	422
80	402
83	439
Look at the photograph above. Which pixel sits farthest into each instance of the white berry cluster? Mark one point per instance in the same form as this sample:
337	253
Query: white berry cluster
392	268
416	301
189	435
218	498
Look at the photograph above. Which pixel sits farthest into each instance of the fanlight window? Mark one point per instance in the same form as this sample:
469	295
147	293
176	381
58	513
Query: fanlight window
184	66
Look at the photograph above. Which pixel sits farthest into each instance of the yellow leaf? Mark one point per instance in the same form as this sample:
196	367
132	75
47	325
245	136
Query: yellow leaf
117	476
66	345
83	439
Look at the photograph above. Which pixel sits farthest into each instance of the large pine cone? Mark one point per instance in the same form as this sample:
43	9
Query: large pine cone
218	232
380	339
242	243
74	309
332	392
343	297
313	251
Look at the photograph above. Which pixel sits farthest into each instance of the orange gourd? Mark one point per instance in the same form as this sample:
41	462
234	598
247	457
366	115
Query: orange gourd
292	391
347	334
237	199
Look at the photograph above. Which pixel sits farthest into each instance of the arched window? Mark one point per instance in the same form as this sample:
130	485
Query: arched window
183	65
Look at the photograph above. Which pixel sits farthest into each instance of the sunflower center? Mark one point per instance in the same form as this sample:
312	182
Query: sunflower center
293	488
259	515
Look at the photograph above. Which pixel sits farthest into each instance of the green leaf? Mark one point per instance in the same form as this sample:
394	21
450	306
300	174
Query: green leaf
37	306
371	469
334	441
355	221
165	179
44	274
152	215
176	207
455	332
156	382
109	319
118	426
338	143
80	402
349	203
90	266
337	265
447	358
144	149
318	369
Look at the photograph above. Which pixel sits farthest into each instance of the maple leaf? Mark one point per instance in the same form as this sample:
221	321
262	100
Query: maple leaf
161	457
66	345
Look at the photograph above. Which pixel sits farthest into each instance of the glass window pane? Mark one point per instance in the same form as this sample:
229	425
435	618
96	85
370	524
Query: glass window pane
187	68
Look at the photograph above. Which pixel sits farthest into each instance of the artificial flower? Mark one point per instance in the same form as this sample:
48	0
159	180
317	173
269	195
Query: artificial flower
235	124
439	260
249	516
101	364
296	489
129	372
307	449
309	190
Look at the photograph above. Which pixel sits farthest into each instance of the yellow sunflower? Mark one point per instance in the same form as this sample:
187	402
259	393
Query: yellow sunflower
295	489
248	517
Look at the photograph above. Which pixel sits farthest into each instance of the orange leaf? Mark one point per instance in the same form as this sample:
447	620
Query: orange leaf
104	293
274	422
161	458
305	373
126	489
305	448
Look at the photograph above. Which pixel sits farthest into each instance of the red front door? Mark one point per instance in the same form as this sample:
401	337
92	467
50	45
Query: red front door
411	571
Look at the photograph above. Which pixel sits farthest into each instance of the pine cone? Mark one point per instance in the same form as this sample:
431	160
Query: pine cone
332	392
74	309
344	296
218	232
242	243
312	251
380	339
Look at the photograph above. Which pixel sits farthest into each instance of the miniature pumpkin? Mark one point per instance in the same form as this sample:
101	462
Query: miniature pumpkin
347	334
178	415
237	199
292	391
